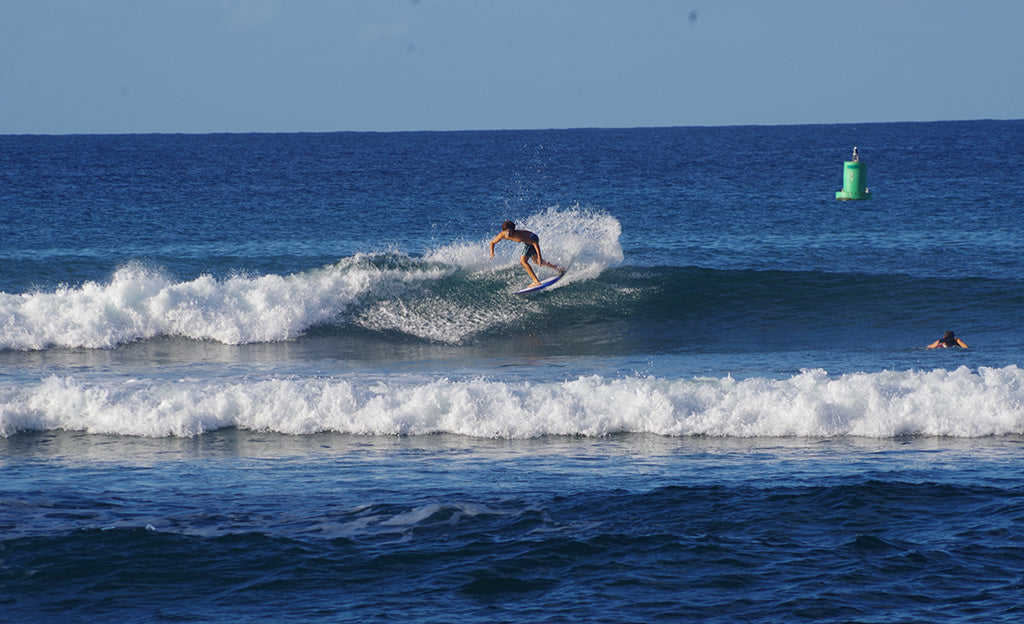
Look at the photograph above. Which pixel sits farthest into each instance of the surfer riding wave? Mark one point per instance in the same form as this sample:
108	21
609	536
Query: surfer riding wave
531	250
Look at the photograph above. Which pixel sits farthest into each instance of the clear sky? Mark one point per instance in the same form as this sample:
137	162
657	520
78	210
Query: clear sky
112	66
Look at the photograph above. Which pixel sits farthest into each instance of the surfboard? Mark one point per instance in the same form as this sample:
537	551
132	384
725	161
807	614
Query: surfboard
543	284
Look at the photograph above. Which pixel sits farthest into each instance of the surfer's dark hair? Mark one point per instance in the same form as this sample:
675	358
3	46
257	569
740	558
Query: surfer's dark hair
508	225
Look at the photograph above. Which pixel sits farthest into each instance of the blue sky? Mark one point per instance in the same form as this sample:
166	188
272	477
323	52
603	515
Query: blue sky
112	66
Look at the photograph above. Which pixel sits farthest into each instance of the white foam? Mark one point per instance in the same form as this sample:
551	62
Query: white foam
140	302
958	403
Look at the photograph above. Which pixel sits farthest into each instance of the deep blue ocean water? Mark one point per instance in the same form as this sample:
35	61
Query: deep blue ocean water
276	377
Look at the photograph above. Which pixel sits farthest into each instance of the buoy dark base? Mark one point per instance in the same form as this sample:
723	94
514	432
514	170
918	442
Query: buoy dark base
844	196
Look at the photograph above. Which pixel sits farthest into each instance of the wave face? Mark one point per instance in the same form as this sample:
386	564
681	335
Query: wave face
395	298
448	295
957	403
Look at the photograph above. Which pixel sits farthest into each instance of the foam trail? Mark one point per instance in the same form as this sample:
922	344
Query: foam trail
958	403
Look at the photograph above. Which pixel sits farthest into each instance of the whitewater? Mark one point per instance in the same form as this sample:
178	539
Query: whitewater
958	403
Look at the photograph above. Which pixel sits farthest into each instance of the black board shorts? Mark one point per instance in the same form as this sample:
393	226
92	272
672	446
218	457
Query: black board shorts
529	250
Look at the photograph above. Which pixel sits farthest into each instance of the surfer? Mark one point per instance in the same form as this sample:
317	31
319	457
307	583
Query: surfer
948	340
531	249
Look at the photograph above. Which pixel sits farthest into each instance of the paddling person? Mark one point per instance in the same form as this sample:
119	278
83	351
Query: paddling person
531	249
948	340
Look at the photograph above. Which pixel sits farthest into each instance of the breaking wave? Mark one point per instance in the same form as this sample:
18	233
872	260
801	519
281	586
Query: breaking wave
956	403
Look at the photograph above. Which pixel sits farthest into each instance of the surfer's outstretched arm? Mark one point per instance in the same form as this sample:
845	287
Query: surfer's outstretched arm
496	240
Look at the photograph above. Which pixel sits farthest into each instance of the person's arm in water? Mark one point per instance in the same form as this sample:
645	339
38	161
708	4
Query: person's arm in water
939	343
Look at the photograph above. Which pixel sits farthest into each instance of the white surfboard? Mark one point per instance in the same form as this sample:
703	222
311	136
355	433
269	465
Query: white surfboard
544	284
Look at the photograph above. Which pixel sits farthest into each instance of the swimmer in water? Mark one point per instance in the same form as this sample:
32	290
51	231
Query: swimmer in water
948	340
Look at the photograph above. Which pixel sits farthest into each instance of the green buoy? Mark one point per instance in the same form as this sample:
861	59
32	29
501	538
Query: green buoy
855	179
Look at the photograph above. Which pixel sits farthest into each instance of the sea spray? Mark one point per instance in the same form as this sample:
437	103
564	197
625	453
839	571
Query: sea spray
585	239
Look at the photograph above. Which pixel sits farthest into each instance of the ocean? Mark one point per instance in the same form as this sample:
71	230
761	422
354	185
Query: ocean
277	377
